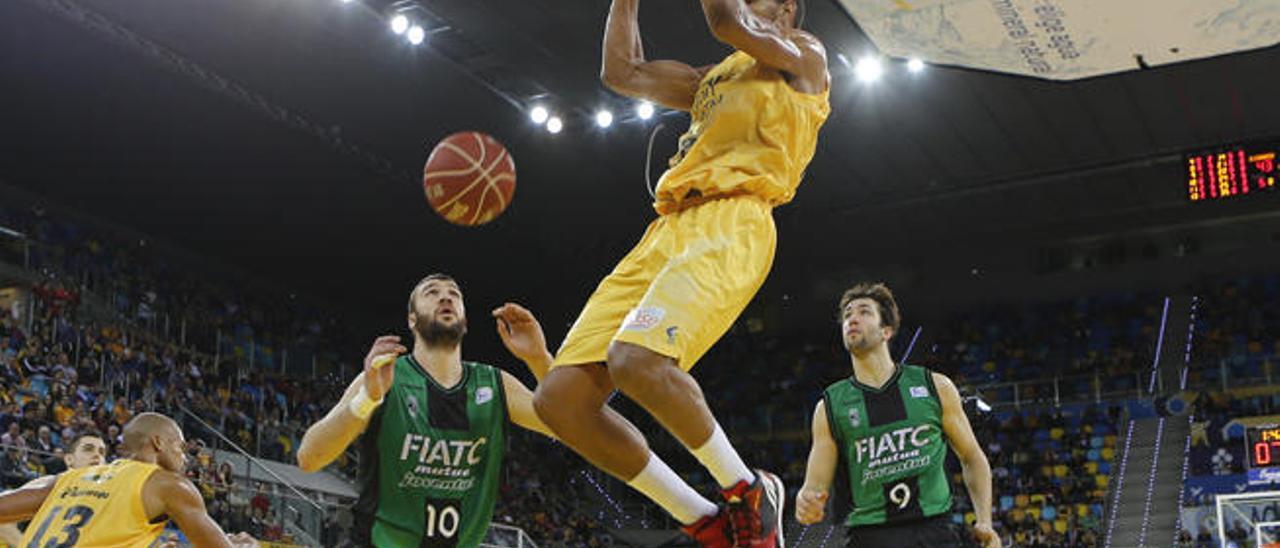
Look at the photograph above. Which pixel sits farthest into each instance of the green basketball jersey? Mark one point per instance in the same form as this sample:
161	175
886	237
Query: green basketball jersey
891	446
431	459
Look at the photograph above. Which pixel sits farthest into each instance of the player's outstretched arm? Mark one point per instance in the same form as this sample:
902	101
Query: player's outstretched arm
522	335
168	494
10	535
811	501
624	69
22	503
973	462
520	406
330	436
794	52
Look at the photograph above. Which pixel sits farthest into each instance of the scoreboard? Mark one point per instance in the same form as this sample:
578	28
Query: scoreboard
1263	446
1234	171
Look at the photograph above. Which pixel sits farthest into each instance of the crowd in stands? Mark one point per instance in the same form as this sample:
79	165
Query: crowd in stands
1237	331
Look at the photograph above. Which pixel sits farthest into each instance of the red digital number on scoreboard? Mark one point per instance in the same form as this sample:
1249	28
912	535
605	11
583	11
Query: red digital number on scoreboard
1264	446
1233	172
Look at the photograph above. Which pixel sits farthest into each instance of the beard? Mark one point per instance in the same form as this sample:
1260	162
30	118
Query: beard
860	343
438	334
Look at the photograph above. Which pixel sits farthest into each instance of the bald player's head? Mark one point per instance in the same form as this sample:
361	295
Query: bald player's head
155	438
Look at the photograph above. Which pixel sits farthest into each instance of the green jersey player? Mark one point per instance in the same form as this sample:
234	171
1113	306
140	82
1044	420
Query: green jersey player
887	426
434	426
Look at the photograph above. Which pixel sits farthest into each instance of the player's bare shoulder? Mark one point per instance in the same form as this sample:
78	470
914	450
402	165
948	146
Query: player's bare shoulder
814	77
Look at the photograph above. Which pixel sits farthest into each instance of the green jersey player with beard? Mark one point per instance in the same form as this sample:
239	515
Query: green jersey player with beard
434	426
887	426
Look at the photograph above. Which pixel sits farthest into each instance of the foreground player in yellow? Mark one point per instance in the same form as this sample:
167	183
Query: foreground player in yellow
125	503
889	425
754	129
86	450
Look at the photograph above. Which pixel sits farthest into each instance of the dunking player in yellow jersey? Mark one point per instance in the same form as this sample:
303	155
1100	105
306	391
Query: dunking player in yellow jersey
755	122
125	503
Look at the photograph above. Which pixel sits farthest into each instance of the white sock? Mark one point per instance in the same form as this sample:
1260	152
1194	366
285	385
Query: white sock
658	482
722	461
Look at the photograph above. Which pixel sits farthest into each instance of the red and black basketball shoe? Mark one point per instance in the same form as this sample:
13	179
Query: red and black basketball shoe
755	511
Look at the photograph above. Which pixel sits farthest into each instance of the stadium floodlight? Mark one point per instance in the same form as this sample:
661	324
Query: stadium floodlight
417	34
539	114
604	118
399	24
868	69
644	110
915	65
555	124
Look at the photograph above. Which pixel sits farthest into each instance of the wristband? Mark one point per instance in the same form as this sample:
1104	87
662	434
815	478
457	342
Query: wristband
362	406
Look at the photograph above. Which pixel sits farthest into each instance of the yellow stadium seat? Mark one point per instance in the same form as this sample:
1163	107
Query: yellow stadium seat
1108	453
1038	500
1056	433
1060	471
1082	510
1109	441
1021	501
1103	481
1091	467
1060	526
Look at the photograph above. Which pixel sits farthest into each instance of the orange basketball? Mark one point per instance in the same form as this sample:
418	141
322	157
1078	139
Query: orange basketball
469	178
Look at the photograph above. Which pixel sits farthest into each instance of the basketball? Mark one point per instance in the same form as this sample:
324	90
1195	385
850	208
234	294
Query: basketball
469	178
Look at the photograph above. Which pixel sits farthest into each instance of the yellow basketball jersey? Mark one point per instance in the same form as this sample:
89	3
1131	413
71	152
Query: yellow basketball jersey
96	506
751	132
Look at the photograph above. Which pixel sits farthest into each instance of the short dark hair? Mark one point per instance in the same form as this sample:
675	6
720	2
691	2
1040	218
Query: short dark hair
428	278
71	447
881	294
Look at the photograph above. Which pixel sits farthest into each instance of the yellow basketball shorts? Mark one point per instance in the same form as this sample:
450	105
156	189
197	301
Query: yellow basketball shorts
682	286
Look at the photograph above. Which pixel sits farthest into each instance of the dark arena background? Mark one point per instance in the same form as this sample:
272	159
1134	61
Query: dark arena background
210	208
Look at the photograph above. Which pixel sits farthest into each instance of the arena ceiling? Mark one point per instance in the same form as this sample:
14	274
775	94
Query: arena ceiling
283	136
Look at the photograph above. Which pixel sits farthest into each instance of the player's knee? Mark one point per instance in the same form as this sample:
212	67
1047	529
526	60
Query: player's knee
635	370
549	404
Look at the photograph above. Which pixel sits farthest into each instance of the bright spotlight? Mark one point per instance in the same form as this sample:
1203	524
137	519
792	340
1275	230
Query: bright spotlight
399	24
417	35
539	115
915	65
554	124
644	110
868	69
604	118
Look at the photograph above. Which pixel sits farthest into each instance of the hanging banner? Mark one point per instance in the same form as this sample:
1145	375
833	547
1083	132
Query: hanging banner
1065	39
